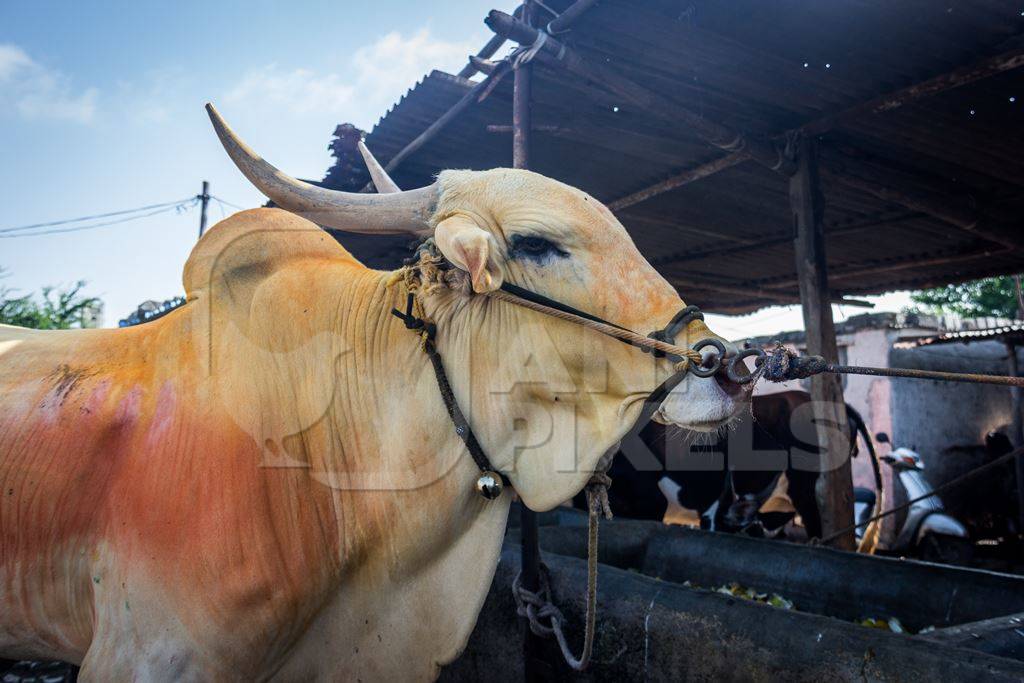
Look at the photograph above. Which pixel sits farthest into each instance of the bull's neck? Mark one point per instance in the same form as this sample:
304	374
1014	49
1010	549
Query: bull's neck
396	457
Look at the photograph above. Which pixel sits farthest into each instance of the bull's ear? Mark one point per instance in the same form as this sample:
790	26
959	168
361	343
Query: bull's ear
470	248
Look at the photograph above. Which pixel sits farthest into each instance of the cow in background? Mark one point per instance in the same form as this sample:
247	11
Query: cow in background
749	478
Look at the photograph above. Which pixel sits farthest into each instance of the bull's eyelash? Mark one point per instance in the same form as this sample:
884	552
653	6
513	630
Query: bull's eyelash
534	248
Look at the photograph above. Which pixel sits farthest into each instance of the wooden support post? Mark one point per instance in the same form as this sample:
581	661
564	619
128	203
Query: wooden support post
522	121
1017	431
834	488
529	543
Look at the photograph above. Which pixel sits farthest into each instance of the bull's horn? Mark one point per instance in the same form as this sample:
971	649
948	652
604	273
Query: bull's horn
381	180
394	213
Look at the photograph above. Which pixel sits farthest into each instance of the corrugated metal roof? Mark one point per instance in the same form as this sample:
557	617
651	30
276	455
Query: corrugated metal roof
1009	332
742	63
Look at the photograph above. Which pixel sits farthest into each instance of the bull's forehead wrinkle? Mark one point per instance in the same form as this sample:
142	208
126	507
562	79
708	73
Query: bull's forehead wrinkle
504	193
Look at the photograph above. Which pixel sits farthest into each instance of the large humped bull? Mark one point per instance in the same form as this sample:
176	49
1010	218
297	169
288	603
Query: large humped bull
265	483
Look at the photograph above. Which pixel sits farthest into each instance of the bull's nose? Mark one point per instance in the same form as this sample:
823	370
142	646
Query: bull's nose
730	387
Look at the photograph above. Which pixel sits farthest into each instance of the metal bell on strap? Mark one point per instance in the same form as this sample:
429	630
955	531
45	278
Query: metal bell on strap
489	485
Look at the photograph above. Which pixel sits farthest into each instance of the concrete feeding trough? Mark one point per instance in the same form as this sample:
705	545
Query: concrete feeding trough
652	626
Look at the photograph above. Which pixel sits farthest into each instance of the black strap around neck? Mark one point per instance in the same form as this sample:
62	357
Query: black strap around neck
462	426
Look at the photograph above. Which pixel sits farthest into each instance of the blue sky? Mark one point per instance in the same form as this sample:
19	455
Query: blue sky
101	109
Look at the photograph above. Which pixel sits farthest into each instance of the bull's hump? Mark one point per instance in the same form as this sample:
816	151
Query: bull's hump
14	333
257	242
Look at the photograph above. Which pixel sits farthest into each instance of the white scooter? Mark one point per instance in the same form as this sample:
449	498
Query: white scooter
929	532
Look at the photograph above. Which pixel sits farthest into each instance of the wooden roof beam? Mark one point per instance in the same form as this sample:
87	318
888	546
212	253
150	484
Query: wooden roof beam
480	58
563	22
780	240
627	143
914	193
554	130
980	70
554	52
486	52
885	266
772	295
484	66
680	179
475	94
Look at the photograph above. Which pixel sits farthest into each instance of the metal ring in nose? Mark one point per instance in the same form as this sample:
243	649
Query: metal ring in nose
716	365
731	372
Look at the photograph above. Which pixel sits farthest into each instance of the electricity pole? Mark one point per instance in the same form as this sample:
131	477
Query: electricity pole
204	199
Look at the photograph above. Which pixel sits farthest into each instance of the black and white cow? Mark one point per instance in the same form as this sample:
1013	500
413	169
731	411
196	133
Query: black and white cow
757	475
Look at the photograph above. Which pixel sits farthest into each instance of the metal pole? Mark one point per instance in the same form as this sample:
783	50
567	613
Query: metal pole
529	544
204	199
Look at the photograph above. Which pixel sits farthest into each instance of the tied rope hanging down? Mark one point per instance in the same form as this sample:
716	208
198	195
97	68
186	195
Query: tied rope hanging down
538	606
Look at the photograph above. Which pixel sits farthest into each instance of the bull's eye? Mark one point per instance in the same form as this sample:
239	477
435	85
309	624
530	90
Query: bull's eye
534	248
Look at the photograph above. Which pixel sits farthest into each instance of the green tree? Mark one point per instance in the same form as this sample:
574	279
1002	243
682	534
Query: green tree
55	309
999	297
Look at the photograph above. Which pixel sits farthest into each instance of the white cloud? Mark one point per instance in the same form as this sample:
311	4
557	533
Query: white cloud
12	58
300	90
35	91
377	76
155	99
390	66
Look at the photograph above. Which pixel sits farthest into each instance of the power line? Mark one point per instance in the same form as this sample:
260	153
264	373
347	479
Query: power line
233	206
179	206
100	215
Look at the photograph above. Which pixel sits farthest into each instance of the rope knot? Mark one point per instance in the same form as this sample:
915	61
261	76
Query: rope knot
782	364
537	605
427	329
692	359
597	495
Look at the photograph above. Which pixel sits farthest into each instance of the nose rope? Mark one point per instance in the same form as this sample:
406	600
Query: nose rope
684	358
